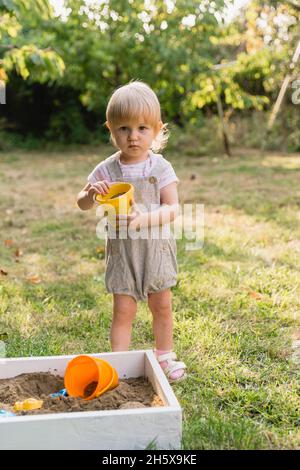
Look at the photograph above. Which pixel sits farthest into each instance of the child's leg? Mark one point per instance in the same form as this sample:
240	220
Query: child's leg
160	304
124	311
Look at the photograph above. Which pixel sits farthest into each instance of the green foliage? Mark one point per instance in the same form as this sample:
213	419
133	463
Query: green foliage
9	26
39	9
174	47
251	129
115	38
40	65
22	49
67	125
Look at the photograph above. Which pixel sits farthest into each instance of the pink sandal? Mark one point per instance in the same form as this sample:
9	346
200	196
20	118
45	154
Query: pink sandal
172	366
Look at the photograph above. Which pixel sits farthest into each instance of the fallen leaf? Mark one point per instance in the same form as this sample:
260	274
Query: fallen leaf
34	279
3	272
8	242
255	295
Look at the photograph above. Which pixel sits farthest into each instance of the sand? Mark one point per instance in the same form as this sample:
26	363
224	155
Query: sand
130	393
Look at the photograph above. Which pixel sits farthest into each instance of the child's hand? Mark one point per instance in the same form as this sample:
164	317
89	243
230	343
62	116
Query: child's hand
135	220
101	187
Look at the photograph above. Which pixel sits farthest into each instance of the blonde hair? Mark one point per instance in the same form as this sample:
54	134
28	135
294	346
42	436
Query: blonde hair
133	101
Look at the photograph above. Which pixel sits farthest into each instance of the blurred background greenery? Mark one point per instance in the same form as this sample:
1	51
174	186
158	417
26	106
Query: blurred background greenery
60	60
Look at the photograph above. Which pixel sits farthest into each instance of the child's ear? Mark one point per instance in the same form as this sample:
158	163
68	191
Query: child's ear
159	126
107	125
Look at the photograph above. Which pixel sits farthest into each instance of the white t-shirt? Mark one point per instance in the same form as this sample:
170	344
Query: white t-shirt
136	170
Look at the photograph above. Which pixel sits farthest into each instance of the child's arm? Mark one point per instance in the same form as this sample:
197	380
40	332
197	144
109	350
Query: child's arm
85	198
168	211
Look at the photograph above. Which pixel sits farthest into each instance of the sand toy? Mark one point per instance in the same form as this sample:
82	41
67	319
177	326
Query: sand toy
29	404
89	377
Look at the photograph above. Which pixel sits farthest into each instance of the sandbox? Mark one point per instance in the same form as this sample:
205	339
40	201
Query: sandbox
133	428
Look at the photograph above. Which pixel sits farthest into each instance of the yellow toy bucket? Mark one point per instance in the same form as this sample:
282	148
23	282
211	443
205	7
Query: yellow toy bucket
119	199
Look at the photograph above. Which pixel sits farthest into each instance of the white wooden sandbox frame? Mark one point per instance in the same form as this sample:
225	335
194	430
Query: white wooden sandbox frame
97	430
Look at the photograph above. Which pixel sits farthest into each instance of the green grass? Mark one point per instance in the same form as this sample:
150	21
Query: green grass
236	304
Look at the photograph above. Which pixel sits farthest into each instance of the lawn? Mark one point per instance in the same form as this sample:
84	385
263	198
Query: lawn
236	304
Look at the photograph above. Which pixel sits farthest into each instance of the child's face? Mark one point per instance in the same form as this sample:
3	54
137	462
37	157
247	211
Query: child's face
134	138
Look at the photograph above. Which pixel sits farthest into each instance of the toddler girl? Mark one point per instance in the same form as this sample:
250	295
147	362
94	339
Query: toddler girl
140	268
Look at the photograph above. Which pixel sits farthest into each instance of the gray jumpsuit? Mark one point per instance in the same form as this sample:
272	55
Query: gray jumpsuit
140	266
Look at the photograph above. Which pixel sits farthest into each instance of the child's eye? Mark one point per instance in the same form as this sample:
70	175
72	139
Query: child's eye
123	128
143	127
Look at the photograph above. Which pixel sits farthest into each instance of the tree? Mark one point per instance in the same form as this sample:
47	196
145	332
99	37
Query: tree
23	46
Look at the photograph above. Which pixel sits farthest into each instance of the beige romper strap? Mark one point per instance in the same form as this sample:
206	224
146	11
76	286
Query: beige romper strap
157	170
113	167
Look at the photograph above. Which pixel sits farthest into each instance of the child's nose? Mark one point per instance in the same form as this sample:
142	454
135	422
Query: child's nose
133	134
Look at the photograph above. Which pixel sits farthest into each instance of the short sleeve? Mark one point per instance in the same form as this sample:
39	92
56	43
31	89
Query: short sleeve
99	173
168	176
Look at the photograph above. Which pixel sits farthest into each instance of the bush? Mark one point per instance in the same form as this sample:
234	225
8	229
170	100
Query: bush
250	130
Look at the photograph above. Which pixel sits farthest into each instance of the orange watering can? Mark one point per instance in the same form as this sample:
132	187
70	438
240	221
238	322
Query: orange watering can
89	377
